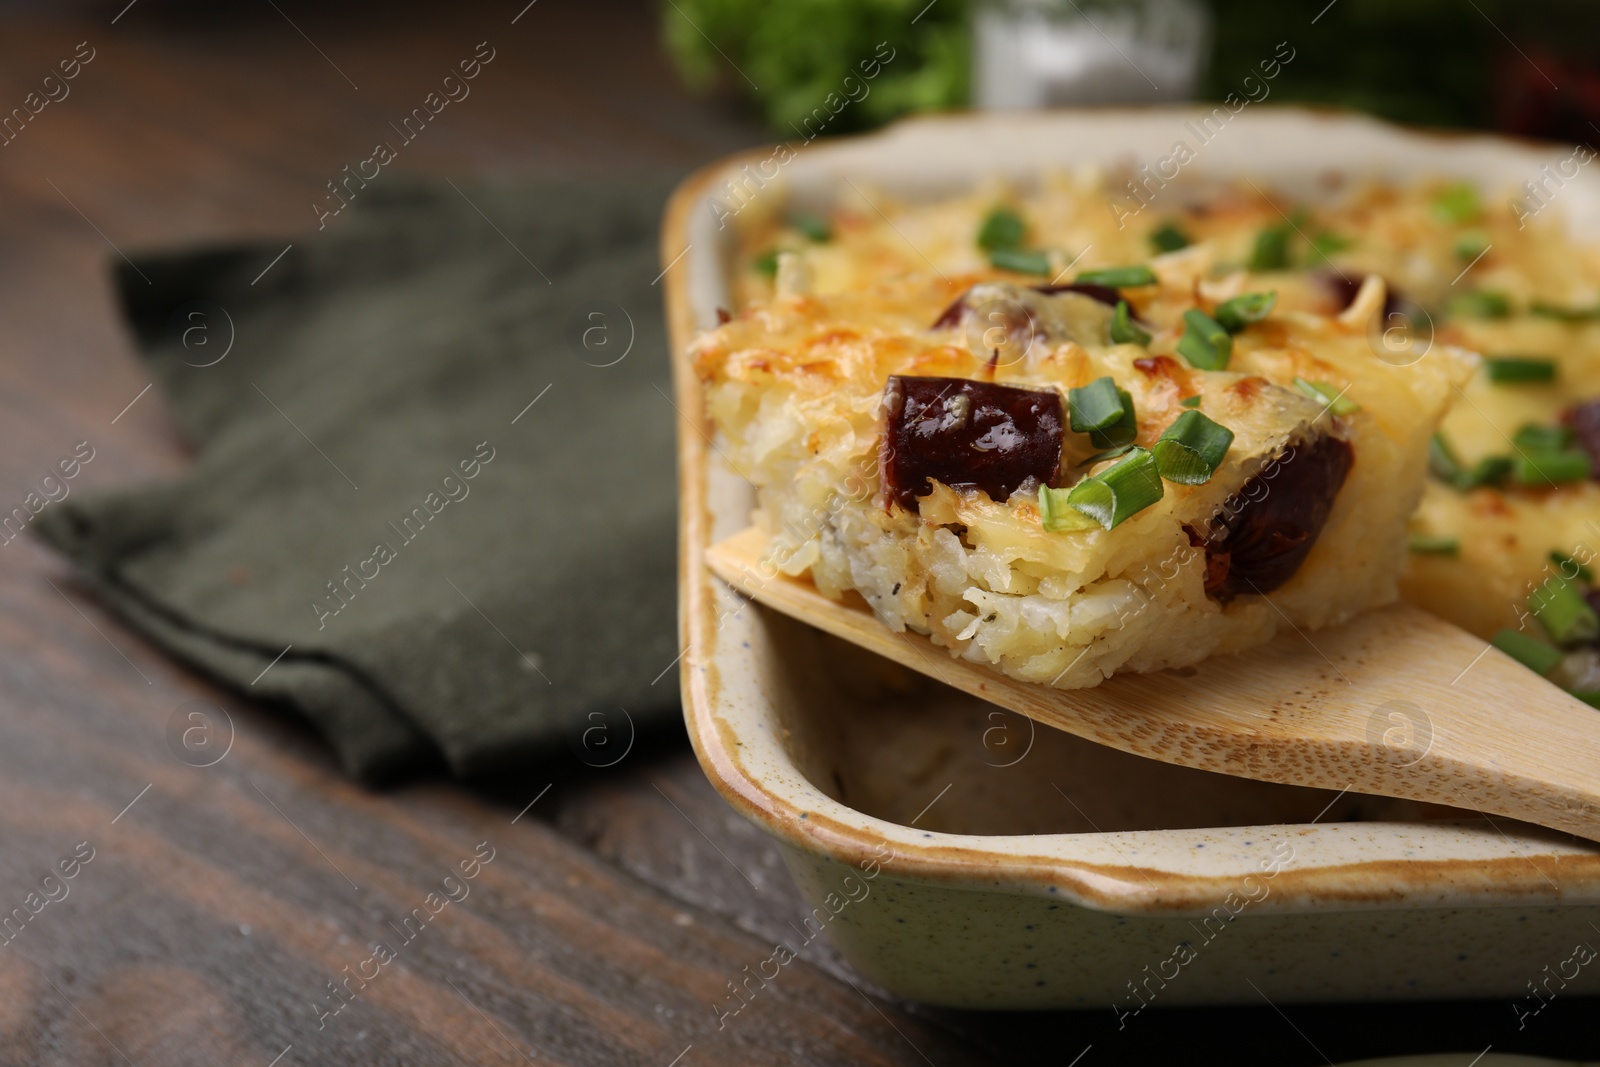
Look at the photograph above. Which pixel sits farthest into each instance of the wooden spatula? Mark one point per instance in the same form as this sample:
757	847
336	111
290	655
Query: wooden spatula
1395	703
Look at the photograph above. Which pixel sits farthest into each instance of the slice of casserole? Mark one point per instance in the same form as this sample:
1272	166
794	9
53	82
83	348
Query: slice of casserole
1135	470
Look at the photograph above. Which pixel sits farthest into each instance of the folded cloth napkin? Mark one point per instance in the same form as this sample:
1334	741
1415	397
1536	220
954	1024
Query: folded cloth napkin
432	503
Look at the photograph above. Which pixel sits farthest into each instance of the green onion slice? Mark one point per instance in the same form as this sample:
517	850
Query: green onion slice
1056	516
1539	469
1561	609
1483	304
1491	470
1471	245
1531	652
1234	315
1271	251
1124	331
1128	487
1095	406
1191	401
1571	568
1119	433
1327	243
1118	277
1520	369
1442	461
1534	437
813	226
1565	314
1427	545
767	263
1110	453
1205	343
1168	238
1457	203
1023	261
1329	397
1002	228
1191	449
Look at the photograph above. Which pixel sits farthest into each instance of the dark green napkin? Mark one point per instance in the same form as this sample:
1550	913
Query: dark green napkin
455	574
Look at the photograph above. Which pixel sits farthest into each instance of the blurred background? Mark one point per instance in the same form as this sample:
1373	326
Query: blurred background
1489	64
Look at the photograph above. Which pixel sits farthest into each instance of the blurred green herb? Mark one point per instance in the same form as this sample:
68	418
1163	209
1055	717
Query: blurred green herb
1002	228
1168	238
823	66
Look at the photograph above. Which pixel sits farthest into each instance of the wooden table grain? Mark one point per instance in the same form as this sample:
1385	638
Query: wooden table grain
229	913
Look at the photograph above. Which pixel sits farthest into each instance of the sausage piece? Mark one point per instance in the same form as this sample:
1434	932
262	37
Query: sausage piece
1262	534
967	434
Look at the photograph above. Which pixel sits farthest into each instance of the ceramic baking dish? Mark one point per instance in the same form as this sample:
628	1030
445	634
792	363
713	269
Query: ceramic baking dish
958	854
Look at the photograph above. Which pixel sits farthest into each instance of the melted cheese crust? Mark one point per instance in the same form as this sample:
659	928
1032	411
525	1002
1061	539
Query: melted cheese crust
794	382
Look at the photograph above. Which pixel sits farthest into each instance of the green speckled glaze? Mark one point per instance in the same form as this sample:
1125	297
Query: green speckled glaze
970	949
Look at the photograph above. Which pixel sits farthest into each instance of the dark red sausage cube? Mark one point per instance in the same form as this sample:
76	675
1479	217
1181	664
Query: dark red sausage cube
968	435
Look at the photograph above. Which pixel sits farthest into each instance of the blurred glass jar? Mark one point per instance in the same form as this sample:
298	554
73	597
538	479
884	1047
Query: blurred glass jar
1045	53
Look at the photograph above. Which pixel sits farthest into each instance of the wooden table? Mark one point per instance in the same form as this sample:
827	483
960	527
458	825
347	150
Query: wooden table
221	901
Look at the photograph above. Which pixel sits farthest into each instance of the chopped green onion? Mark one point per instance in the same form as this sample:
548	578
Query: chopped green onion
1427	545
1095	406
1483	304
1329	397
1520	369
813	226
1119	277
1002	228
1191	449
1168	238
1234	315
1271	251
1491	470
1205	344
1531	652
1327	243
1056	517
1567	563
1457	203
1124	331
1128	487
1191	401
1536	438
1442	461
1565	314
1537	469
1561	609
767	263
1110	453
1020	260
1119	433
1471	245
